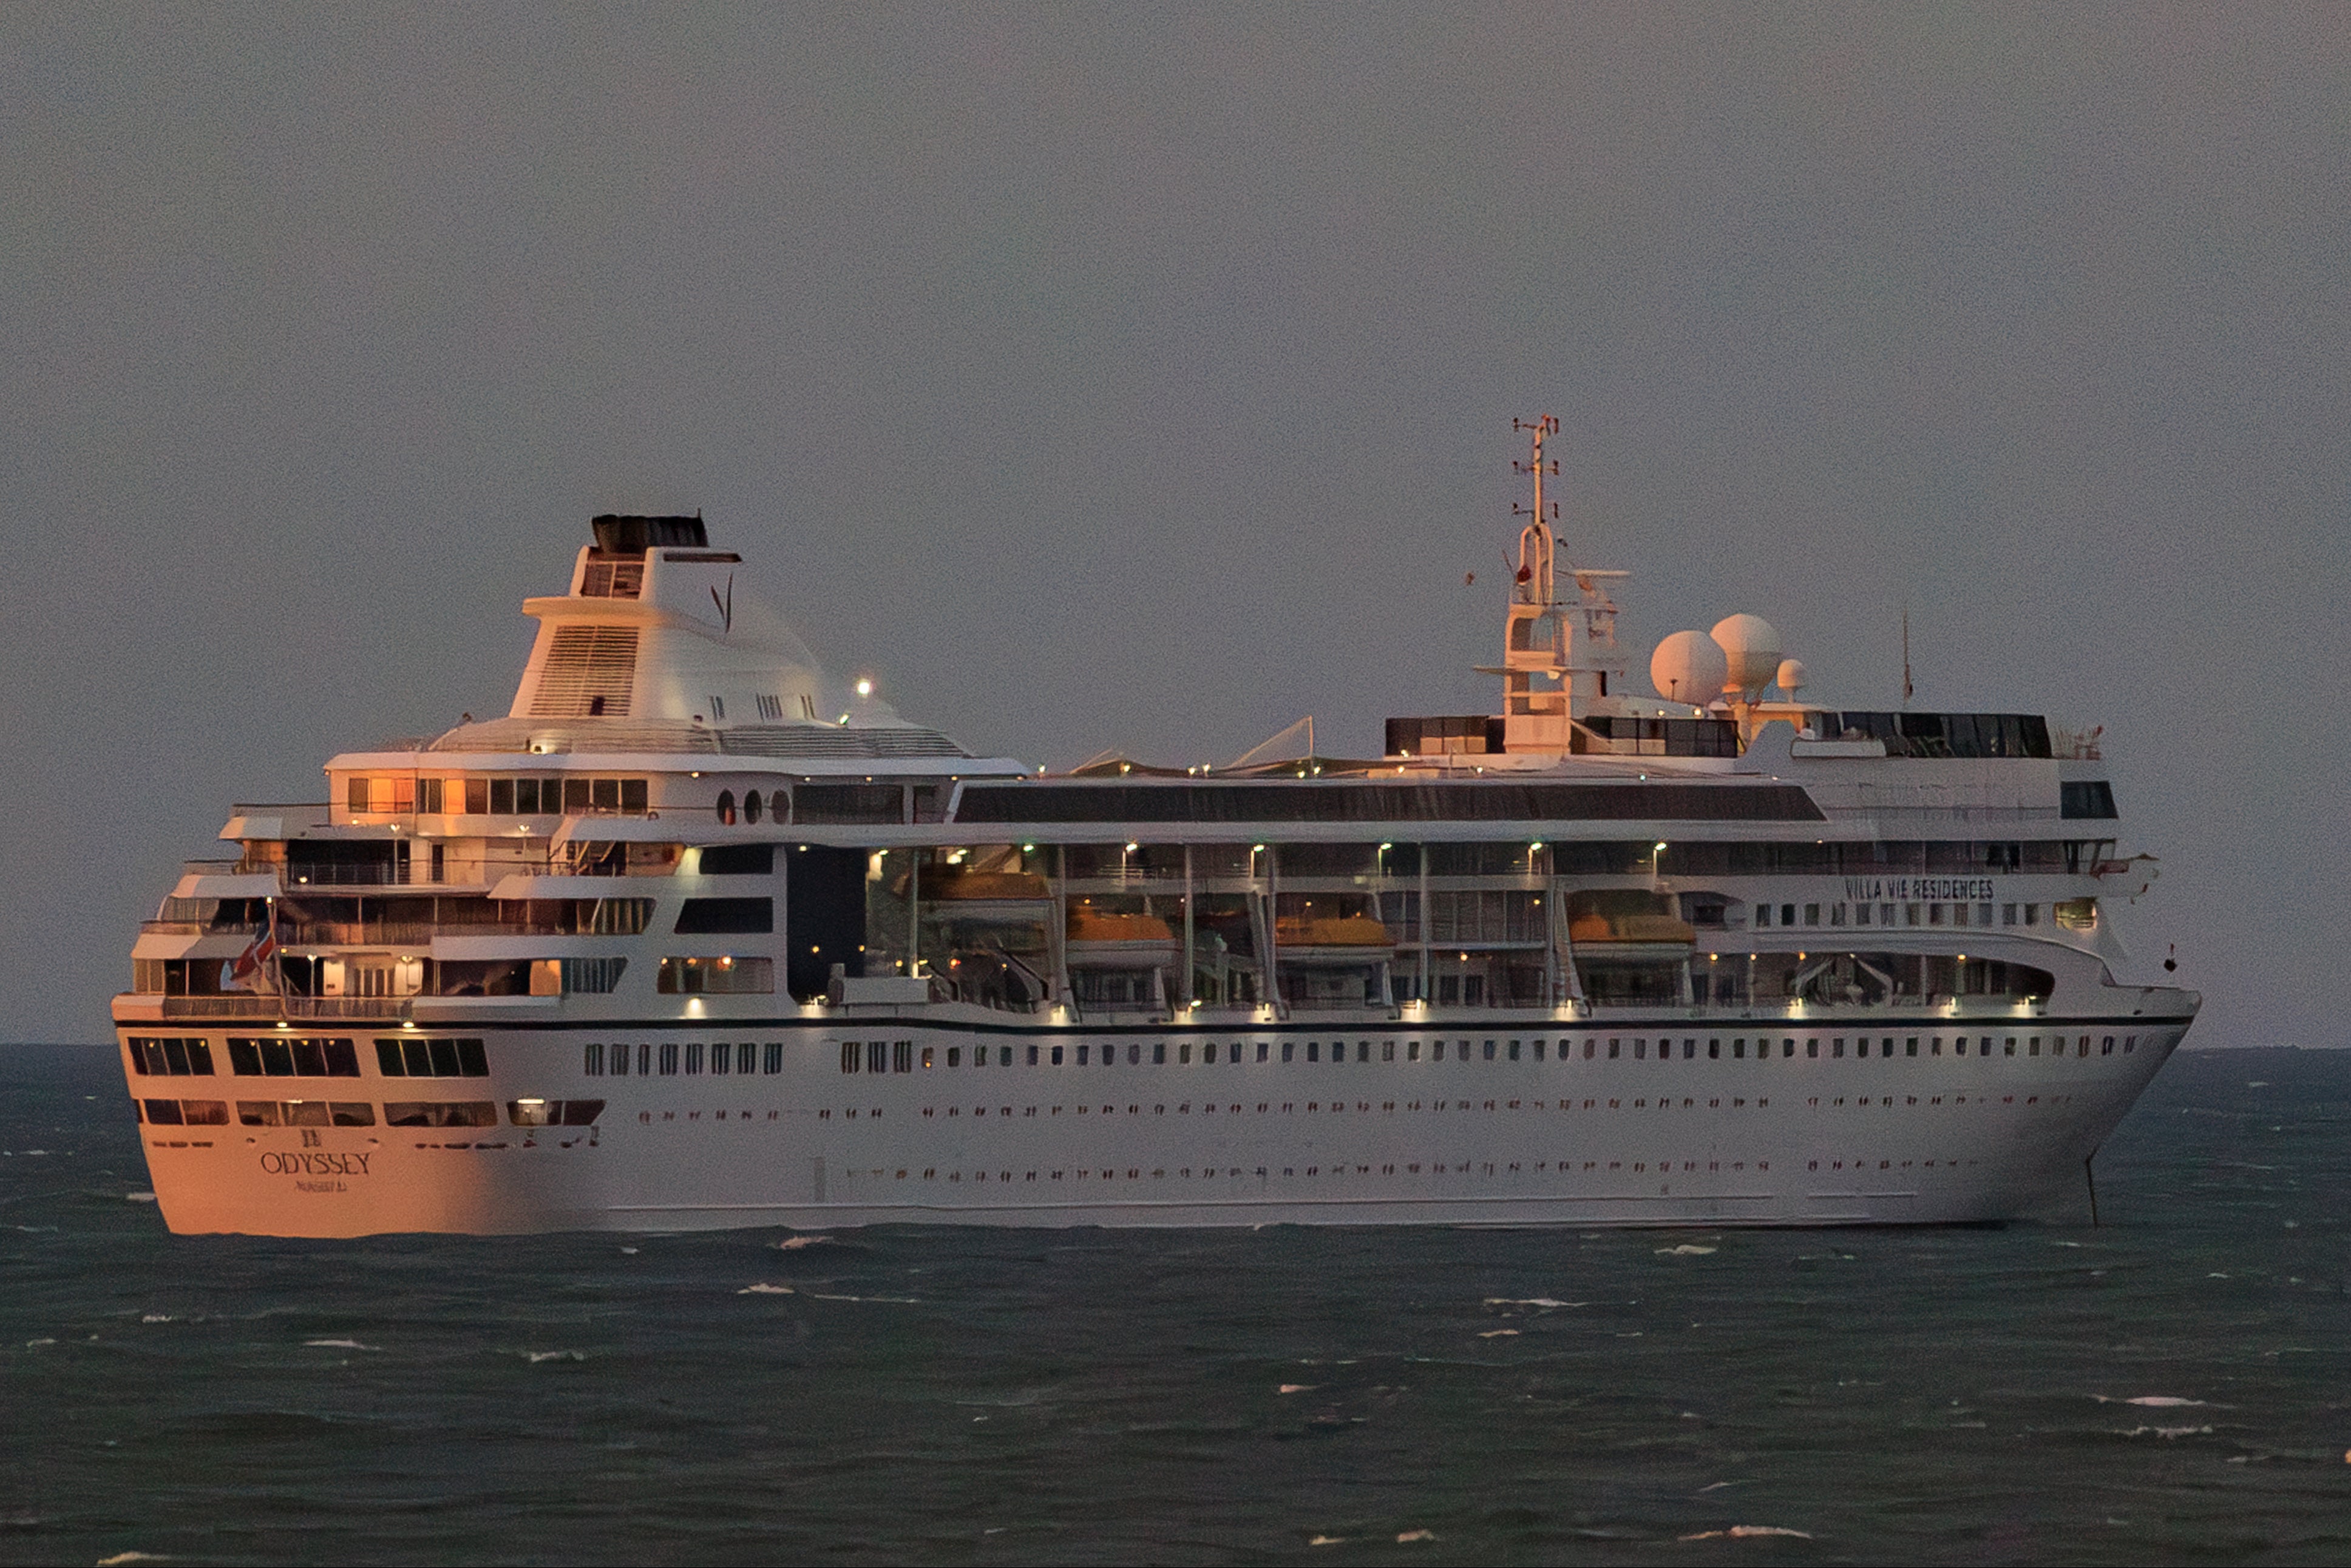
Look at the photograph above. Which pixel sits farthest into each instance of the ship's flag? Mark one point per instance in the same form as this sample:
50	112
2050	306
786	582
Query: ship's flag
256	958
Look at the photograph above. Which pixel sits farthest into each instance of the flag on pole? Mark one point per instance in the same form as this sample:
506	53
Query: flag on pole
256	959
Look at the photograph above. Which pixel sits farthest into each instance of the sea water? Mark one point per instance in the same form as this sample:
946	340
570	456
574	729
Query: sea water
2172	1386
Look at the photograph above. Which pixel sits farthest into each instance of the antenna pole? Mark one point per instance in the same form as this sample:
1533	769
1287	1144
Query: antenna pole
1906	655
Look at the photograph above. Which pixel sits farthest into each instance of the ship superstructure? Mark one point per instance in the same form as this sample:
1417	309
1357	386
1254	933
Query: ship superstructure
694	936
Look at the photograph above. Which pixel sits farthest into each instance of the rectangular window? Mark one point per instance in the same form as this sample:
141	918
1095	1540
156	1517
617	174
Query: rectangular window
1738	1050
1836	1049
440	1114
771	1059
1762	915
2032	914
163	1113
592	1060
428	795
633	795
1861	914
576	794
1032	1055
849	1056
710	916
877	1056
1514	1050
1490	1050
669	1059
954	1056
2009	1049
902	1056
722	1058
1812	914
1910	1046
693	1057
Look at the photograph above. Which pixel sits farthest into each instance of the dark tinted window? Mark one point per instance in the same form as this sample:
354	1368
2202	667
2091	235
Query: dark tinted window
705	916
1403	801
738	859
2090	798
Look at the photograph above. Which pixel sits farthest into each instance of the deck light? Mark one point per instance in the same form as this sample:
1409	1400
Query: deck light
864	688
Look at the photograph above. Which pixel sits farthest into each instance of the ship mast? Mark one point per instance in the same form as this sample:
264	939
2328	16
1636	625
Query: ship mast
1559	660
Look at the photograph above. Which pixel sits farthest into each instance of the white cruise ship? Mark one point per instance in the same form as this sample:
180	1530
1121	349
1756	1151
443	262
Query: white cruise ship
692	937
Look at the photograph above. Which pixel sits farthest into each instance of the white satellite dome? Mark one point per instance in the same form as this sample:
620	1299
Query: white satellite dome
1688	667
1753	648
1792	675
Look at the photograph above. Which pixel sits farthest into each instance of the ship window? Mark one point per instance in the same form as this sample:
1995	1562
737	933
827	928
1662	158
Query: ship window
592	1060
1813	1047
772	1058
1313	1050
1032	1055
1289	1049
1836	1049
162	1112
669	1059
954	1056
2010	1049
1057	1053
525	796
1264	1049
753	807
1183	1054
575	795
726	807
693	1057
306	1112
877	1056
502	797
440	1114
708	916
849	1056
1812	914
1158	1054
1003	1055
1489	1050
1515	1050
1910	1047
1787	915
1762	915
902	1056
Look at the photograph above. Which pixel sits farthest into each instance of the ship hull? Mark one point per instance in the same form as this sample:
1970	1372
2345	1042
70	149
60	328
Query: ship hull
1137	1126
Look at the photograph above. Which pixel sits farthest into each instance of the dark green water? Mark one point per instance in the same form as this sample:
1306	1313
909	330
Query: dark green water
969	1397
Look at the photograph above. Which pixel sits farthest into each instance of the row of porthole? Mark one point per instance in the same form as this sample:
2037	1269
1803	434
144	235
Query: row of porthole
1438	1168
903	1056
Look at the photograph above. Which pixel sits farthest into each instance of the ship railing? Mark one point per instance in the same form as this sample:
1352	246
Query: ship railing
262	1007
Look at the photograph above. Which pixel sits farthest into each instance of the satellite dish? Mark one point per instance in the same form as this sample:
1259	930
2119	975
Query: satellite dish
1792	675
1752	649
1688	667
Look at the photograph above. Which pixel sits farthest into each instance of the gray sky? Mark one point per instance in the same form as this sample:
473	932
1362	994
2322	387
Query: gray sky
1143	378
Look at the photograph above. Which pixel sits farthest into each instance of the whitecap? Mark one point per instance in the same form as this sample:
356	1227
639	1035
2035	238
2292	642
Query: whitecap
1685	1250
1530	1302
765	1290
338	1344
1499	1333
628	1251
536	1356
156	1318
1328	1541
122	1559
1298	1388
1406	1536
794	1243
31	1342
1746	1533
895	1301
139	1197
2161	1400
